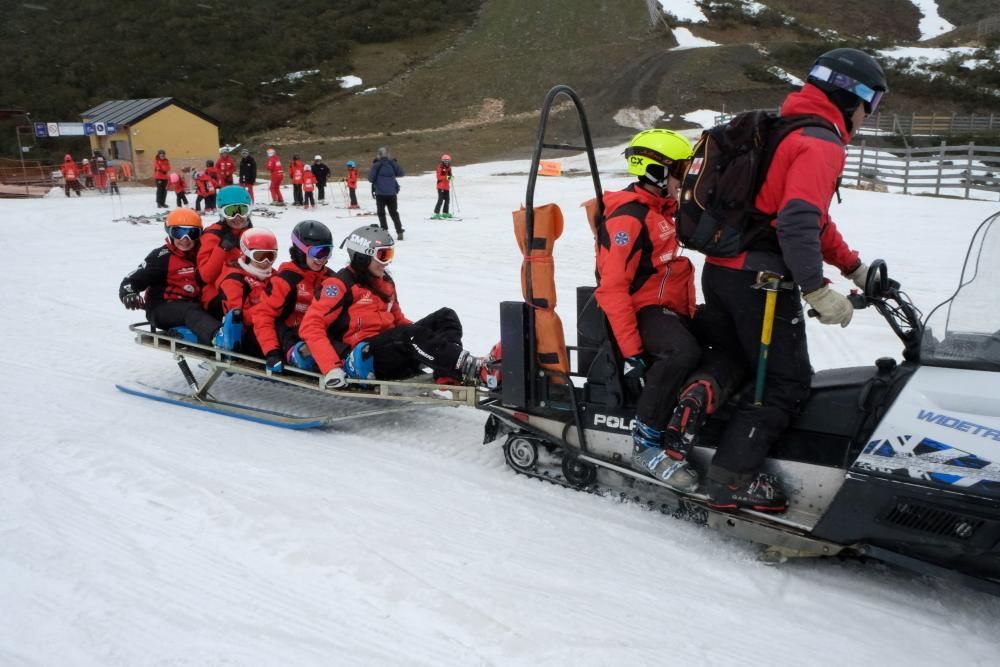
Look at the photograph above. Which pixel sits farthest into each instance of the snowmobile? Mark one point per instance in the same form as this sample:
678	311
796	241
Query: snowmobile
898	461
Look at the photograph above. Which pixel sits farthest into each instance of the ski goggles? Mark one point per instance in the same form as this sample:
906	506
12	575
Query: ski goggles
317	252
262	256
384	255
233	210
870	96
180	233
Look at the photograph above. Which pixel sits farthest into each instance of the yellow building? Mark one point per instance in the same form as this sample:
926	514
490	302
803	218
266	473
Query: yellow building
143	127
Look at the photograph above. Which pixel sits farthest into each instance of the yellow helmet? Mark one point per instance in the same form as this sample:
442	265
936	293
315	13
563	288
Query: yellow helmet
656	147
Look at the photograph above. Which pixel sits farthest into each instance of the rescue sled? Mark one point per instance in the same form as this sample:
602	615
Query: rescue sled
359	399
898	461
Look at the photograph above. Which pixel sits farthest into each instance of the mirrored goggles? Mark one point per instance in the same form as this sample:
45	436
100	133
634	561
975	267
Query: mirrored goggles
384	255
264	255
869	96
318	252
233	210
178	233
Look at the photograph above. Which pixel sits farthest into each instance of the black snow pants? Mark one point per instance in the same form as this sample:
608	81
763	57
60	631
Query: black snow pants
383	202
170	314
354	196
297	193
672	352
435	341
161	193
444	197
738	313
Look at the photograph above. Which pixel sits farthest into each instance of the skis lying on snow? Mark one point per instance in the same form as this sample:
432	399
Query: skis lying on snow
356	215
359	399
143	219
265	212
451	219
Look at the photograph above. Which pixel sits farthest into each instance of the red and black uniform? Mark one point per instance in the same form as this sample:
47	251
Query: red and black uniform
226	168
171	286
345	313
161	172
277	175
206	186
308	185
88	175
70	176
647	292
219	248
287	297
238	288
797	191
295	172
180	189
443	188
352	184
112	175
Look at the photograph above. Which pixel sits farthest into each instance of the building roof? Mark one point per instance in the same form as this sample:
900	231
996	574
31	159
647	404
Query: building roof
129	112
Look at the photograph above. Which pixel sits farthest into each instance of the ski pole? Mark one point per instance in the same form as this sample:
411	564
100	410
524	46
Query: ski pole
454	195
770	283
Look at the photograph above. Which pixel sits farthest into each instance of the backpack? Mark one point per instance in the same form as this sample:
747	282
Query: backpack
717	215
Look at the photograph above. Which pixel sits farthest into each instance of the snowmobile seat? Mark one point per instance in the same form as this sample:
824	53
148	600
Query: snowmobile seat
598	357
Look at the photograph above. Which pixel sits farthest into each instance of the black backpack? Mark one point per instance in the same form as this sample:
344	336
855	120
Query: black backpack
717	215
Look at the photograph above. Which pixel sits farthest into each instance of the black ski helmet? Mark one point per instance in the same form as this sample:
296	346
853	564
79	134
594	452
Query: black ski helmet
364	242
308	233
832	70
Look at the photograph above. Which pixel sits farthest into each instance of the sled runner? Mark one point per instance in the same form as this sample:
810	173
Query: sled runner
360	398
897	461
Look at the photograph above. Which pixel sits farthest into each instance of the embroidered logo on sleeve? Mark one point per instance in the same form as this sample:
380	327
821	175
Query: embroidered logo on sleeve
621	238
331	291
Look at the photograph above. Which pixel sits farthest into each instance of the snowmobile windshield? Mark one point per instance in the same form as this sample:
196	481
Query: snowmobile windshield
964	331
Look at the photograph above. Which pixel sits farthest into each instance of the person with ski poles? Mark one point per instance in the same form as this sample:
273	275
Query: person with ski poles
647	292
220	244
277	175
443	187
382	175
796	238
226	168
112	175
352	184
321	172
248	173
356	329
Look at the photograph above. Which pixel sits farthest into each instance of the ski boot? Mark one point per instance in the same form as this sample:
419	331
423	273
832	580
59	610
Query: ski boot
183	333
649	456
762	492
469	367
300	357
360	364
687	420
230	334
447	216
435	216
399	235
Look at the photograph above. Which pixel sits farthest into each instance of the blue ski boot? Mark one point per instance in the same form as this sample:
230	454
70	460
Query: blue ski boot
360	364
183	333
649	456
299	357
230	335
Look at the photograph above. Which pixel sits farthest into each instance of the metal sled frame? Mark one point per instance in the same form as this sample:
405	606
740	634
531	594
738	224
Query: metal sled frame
406	394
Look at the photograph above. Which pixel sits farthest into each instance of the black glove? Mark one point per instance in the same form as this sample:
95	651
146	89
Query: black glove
275	362
633	371
228	242
130	299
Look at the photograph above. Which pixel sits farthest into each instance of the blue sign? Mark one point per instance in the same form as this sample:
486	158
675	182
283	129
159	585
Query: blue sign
88	129
112	127
41	131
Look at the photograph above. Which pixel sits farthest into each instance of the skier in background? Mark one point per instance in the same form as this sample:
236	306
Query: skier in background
382	175
277	176
112	175
226	168
206	188
295	171
308	185
443	188
100	169
248	172
321	172
88	174
352	184
70	175
161	172
180	188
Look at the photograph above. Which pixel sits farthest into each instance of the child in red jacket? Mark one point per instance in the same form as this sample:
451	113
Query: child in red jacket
308	185
180	188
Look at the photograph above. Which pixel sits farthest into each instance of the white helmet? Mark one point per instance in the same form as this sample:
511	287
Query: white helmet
318	158
371	242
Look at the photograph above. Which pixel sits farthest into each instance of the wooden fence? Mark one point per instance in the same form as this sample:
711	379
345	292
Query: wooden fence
942	170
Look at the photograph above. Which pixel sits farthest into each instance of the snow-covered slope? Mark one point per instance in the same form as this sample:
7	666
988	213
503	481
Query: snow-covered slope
134	533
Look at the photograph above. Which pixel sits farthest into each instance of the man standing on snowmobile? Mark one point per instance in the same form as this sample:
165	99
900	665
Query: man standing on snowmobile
647	292
843	87
385	187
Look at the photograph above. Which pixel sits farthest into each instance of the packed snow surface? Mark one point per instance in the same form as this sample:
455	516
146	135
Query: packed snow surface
686	40
931	23
349	81
684	10
137	533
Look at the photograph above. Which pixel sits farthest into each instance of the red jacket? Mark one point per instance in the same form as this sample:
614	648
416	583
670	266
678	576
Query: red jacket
352	177
161	168
295	171
206	184
68	170
799	187
212	258
637	262
286	298
239	289
167	274
344	314
87	169
308	181
443	177
274	165
112	174
213	173
179	185
226	168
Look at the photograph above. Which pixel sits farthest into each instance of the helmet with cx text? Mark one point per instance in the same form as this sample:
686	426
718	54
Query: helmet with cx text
651	153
